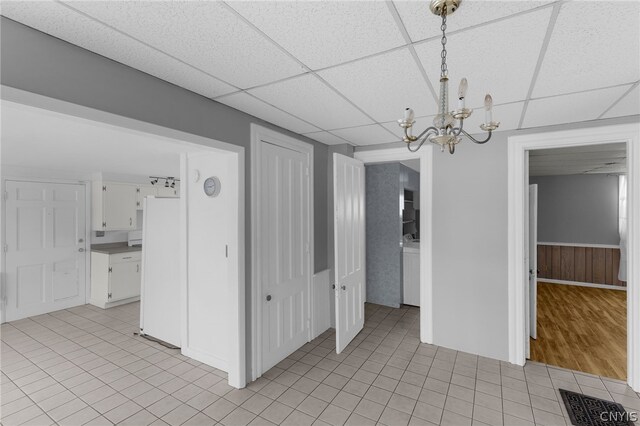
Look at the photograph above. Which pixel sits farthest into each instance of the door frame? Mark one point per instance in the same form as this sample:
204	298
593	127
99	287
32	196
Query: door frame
518	181
425	155
3	233
237	355
258	135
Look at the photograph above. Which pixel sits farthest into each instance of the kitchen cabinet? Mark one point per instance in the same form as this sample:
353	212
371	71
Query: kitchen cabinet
143	191
113	206
164	191
411	276
115	278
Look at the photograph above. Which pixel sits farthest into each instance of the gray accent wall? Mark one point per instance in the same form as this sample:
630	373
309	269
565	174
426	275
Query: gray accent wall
580	209
38	63
384	234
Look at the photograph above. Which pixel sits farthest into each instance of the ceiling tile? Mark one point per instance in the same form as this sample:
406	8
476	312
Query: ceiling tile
326	138
367	135
249	104
570	108
383	86
325	33
421	23
507	115
499	58
205	34
59	21
310	99
629	105
593	45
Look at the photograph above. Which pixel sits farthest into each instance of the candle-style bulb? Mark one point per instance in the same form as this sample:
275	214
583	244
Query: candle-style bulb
488	105
488	102
408	115
462	89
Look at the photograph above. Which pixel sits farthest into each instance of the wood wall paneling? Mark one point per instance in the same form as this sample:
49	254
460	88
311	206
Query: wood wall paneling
599	267
580	264
567	266
594	265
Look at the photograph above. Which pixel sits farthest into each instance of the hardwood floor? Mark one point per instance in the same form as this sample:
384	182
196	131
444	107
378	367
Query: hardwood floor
582	328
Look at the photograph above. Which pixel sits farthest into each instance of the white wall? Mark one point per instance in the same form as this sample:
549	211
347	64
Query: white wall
470	242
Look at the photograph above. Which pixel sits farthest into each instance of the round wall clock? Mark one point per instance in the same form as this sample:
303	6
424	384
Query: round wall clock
212	186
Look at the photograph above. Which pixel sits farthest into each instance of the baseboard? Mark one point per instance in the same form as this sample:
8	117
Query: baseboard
208	359
581	284
106	305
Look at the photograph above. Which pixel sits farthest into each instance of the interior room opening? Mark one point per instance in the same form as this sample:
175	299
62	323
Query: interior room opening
577	307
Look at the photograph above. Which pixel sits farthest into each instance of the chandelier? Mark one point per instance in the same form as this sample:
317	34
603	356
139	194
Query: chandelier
447	125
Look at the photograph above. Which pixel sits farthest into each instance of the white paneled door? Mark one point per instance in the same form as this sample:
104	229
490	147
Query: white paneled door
349	240
45	251
284	251
533	260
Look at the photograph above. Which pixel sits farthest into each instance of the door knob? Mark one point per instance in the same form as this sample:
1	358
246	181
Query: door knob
81	250
344	287
268	298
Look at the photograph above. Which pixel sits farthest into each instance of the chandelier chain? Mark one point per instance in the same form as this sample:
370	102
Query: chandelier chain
443	55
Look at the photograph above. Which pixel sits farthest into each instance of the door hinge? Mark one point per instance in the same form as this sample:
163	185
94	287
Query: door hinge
104	224
109	296
226	250
306	171
6	195
104	187
137	189
110	269
137	203
6	248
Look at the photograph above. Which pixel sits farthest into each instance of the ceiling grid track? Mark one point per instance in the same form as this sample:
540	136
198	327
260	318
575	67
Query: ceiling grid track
624	95
545	44
79	12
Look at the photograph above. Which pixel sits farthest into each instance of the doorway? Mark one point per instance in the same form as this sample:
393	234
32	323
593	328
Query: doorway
518	265
425	158
577	288
67	137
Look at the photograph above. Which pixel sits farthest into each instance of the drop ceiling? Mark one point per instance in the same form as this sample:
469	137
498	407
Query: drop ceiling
593	159
342	71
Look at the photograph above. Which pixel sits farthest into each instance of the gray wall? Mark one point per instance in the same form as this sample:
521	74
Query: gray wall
36	62
470	242
579	209
384	234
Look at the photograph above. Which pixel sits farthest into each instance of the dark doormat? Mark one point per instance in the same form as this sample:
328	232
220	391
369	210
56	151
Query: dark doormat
589	411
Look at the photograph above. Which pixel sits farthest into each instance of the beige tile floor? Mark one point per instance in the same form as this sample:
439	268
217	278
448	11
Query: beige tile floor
85	366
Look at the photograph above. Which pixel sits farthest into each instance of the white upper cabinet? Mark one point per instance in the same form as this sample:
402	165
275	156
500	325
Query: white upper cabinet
144	191
114	206
164	191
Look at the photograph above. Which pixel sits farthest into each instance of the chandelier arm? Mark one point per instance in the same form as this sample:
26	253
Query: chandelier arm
457	130
426	135
474	139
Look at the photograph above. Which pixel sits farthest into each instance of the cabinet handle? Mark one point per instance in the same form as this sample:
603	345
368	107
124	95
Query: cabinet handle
130	221
138	268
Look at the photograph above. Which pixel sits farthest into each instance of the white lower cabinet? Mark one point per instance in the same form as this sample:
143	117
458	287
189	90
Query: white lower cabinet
411	276
115	278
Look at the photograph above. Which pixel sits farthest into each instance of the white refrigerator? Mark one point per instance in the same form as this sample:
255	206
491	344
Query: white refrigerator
160	288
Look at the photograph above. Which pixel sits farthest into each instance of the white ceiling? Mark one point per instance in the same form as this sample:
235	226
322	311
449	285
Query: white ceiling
609	158
72	145
342	71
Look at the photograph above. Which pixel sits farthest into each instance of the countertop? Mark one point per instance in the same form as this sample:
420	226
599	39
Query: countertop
113	248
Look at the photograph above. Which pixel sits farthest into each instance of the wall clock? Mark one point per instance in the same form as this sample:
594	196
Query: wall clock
212	186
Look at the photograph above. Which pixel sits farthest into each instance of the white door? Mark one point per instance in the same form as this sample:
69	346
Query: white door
533	259
349	241
45	258
284	251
